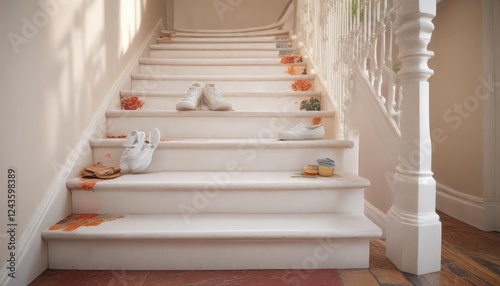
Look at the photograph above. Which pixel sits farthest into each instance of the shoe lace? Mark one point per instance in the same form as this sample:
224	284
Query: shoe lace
190	94
214	93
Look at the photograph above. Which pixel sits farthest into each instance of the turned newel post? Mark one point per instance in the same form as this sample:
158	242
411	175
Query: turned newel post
413	228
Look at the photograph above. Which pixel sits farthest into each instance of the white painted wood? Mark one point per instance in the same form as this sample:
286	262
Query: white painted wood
241	101
220	192
224	83
214	124
376	216
222	46
216	241
226	34
262	39
216	62
204	54
413	227
463	207
235	70
217	155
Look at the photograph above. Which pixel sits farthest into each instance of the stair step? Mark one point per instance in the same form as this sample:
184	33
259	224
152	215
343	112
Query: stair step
253	39
211	241
223	46
242	101
226	34
214	124
180	83
206	54
217	62
216	155
216	192
231	47
189	67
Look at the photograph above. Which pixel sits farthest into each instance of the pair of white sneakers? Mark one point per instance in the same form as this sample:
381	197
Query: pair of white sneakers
209	95
138	152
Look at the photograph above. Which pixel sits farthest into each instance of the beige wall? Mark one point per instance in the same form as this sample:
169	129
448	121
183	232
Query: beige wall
225	14
57	62
456	105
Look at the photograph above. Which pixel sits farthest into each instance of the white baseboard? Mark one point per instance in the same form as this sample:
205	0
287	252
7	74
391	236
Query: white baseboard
32	257
466	208
463	207
376	216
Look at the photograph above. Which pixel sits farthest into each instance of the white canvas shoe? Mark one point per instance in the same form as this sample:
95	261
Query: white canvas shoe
192	100
214	100
303	132
140	162
133	147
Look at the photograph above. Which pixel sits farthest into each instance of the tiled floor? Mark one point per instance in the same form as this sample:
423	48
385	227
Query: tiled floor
469	257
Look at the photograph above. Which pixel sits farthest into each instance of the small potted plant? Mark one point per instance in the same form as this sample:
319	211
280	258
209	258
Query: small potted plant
312	104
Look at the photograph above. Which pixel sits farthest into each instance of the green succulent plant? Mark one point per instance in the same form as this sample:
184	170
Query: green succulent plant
312	104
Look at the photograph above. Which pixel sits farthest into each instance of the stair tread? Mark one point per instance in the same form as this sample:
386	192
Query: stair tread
226	34
218	62
221	77
212	114
174	143
247	180
225	94
194	47
243	40
219	226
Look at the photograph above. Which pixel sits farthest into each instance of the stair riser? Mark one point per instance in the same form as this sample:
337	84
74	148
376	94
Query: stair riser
217	198
242	70
223	86
223	46
305	254
183	54
225	39
239	103
211	127
246	158
229	35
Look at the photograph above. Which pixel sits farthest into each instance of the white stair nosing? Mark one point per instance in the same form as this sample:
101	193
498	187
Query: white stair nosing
225	227
255	40
217	62
245	181
220	78
225	34
194	48
230	143
144	93
212	114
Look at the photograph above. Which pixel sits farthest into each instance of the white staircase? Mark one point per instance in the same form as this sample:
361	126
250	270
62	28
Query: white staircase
221	192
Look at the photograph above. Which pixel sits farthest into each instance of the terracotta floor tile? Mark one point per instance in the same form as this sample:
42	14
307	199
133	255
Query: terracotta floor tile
90	278
357	277
390	277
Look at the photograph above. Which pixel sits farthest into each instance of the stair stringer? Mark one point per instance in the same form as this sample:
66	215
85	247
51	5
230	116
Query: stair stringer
378	147
56	203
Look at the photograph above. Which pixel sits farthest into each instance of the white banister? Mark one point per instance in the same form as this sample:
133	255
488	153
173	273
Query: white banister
413	229
339	36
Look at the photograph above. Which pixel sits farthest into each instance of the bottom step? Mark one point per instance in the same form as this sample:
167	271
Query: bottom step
211	242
